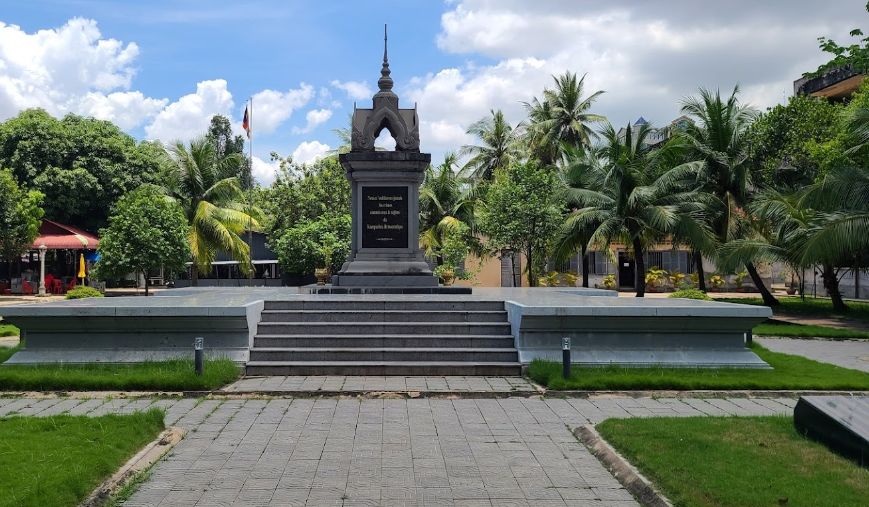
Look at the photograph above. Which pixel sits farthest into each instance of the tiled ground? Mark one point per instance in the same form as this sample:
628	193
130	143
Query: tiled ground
294	452
369	384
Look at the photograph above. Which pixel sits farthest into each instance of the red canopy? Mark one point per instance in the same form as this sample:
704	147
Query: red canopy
57	236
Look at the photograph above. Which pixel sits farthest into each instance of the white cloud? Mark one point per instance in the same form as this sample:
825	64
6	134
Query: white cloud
271	108
315	118
71	69
264	172
356	90
308	152
190	115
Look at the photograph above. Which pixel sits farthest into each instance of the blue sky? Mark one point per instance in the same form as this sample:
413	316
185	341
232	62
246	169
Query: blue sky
160	69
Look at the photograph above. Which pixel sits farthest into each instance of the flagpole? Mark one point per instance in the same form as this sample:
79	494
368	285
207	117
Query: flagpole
250	197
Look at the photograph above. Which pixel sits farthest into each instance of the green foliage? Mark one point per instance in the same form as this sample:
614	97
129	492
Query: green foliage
300	249
608	282
82	165
20	217
655	276
740	277
676	278
717	281
146	230
522	213
690	294
224	144
500	147
83	292
305	193
789	372
855	55
697	461
789	144
172	375
57	461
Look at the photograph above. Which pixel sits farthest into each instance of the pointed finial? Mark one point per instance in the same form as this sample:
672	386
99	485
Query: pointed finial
385	82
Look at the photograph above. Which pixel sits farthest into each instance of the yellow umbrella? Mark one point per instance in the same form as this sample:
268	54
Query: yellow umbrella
81	273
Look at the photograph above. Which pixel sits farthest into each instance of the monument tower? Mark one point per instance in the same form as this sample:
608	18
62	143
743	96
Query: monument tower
384	250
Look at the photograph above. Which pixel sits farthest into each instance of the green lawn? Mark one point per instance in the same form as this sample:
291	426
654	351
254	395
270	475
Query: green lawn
8	330
175	375
778	328
6	352
58	461
808	307
737	461
789	372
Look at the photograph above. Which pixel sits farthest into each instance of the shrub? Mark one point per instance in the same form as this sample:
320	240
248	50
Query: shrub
690	294
83	291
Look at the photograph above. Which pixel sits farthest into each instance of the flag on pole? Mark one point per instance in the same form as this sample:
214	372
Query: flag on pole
246	123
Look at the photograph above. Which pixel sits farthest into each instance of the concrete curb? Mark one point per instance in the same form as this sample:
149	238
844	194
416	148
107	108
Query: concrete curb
624	472
408	394
141	461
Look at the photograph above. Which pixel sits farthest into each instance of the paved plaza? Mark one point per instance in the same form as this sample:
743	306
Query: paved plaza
350	385
393	452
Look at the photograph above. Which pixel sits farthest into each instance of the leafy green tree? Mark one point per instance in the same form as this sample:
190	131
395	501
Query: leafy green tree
213	202
561	119
301	248
630	195
224	143
81	165
718	138
146	231
500	146
20	217
855	55
522	212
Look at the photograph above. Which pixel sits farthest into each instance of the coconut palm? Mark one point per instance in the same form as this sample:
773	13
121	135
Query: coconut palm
561	118
625	195
500	146
718	138
212	199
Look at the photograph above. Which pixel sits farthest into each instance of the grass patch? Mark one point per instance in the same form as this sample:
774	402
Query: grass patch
789	372
745	461
7	352
173	375
808	307
776	328
8	330
57	461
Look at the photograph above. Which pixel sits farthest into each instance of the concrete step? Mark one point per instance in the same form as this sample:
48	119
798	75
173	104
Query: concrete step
383	316
384	368
381	328
385	340
313	354
397	304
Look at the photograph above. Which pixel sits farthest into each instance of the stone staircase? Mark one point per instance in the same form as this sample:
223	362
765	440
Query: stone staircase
399	337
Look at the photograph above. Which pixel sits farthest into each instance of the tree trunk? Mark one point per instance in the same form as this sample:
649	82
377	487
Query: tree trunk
145	274
768	298
641	268
194	275
585	267
530	270
831	283
698	266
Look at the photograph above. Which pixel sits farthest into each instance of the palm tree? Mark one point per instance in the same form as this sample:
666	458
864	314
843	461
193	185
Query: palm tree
500	146
561	118
718	139
212	199
627	196
445	204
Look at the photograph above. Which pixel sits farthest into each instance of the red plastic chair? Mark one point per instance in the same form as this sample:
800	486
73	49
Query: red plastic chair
26	288
49	279
71	285
56	286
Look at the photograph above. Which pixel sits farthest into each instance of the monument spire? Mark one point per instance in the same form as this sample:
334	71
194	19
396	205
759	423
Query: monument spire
385	82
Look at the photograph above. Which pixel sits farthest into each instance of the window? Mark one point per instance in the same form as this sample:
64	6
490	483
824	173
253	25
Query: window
599	264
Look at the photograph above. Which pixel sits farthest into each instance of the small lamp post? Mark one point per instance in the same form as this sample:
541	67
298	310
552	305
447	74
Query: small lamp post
42	250
565	357
198	354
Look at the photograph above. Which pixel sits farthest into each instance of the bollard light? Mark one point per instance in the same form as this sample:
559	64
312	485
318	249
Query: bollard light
198	343
565	357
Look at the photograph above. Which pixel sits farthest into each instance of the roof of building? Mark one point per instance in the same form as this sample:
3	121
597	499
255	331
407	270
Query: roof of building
641	121
56	236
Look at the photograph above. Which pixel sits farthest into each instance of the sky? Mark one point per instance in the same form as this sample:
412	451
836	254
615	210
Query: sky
160	69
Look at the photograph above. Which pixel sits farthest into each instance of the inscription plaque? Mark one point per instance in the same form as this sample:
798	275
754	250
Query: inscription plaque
384	217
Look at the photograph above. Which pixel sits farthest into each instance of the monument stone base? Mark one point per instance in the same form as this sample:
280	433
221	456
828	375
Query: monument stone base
373	289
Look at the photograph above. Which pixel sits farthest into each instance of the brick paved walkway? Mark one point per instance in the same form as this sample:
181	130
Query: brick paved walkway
369	384
852	354
349	452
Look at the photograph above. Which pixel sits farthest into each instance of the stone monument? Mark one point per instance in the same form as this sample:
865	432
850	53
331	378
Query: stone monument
385	251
